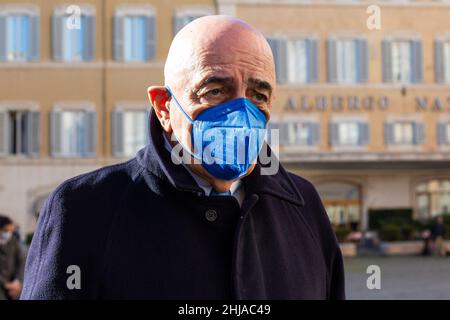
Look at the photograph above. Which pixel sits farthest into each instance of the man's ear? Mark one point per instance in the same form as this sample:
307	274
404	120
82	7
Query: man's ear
160	101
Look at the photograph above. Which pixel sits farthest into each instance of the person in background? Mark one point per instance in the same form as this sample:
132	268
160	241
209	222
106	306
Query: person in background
12	260
437	235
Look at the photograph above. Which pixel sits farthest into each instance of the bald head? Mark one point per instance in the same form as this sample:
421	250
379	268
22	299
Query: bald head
211	41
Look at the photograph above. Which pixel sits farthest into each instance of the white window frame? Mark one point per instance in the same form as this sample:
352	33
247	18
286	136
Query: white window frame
73	106
23	106
120	107
393	118
123	11
337	146
60	11
441	61
31	11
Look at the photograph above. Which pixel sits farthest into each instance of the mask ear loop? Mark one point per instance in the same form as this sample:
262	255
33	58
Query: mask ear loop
179	105
188	118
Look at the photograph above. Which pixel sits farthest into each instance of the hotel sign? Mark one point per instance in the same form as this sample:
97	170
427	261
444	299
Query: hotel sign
338	103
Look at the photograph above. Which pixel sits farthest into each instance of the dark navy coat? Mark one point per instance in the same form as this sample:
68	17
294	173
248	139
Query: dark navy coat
143	229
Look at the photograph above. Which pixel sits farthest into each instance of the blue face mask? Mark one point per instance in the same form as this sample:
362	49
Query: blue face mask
226	138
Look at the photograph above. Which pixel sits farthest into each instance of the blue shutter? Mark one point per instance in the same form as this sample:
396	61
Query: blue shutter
2	38
362	59
363	138
418	133
88	36
388	133
439	61
118	41
279	51
117	133
150	36
386	52
4	133
55	134
34	36
314	128
90	132
331	60
312	54
333	133
178	24
57	36
32	133
416	61
442	133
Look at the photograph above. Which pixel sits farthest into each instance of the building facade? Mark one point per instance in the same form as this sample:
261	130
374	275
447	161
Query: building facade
362	112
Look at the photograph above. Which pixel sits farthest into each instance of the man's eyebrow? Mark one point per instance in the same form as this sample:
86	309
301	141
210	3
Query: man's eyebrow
213	80
260	84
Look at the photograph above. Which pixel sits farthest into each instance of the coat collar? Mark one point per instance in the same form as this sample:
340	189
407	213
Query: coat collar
156	159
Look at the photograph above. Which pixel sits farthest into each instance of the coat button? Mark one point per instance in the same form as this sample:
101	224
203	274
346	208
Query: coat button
211	215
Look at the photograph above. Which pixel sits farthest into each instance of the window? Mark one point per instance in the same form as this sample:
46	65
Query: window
443	133
19	132
433	198
347	60
183	16
442	60
342	201
134	34
402	61
71	42
404	133
73	132
129	131
19	34
295	59
295	133
349	133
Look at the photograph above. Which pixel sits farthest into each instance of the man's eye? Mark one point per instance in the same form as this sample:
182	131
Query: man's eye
213	93
260	97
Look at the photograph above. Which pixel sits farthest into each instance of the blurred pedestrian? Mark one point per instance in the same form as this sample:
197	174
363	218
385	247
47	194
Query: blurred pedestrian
438	236
11	261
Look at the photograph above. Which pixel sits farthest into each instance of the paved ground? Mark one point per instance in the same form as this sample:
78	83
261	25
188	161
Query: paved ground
401	278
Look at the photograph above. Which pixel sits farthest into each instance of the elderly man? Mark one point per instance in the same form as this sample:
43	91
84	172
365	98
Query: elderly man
155	228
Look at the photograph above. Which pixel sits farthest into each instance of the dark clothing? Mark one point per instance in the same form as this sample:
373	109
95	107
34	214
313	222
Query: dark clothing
143	229
437	230
12	261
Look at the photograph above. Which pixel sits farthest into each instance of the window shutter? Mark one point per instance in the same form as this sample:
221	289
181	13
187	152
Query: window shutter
333	133
315	133
55	133
117	133
32	133
279	51
57	34
2	38
312	60
118	48
88	29
388	133
331	60
442	133
418	134
363	60
363	138
386	52
34	38
178	24
150	33
416	61
438	61
4	133
283	133
90	123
